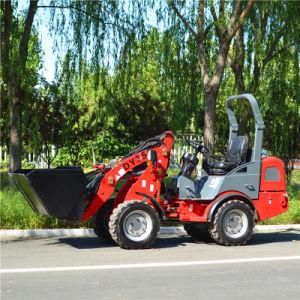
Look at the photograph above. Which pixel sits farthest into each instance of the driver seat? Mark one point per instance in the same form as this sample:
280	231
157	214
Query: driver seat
235	155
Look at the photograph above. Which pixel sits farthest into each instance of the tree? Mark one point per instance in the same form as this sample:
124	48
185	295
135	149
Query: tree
266	64
139	109
116	60
12	74
29	80
45	122
100	25
226	23
269	33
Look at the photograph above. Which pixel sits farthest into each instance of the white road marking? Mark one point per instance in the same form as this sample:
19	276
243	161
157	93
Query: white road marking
150	265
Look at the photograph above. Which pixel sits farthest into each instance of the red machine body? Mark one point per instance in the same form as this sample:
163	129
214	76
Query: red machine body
127	199
273	198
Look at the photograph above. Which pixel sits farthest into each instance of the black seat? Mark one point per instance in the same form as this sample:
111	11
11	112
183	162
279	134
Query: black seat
235	155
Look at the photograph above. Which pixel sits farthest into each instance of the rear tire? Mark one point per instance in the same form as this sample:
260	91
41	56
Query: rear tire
134	225
232	224
100	223
198	231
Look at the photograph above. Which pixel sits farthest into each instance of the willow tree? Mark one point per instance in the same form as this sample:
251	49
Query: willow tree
266	63
93	29
272	29
212	26
12	73
29	79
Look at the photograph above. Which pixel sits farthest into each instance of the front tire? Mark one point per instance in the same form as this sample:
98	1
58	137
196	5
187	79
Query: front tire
232	224
100	222
134	225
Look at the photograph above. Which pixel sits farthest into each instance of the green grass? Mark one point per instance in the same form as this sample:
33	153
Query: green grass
15	212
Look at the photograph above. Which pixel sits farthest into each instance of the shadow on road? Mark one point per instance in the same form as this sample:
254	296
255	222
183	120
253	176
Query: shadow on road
84	242
180	241
93	242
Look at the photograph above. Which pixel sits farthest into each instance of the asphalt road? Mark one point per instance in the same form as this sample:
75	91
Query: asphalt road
176	268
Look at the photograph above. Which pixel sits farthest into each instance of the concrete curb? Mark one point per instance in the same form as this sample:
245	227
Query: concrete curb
266	228
87	232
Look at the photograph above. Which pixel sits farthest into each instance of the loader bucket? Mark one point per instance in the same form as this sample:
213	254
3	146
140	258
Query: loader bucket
59	193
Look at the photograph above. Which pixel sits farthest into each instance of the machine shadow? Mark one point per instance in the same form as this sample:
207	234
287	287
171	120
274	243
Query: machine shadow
171	242
94	242
85	242
180	241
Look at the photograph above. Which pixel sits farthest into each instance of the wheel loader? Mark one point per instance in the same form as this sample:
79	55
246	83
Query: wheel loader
127	199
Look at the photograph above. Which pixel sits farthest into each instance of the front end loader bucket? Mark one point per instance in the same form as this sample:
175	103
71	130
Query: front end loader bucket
59	193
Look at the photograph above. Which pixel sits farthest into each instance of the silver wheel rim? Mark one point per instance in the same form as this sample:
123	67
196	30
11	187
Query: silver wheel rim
137	225
236	223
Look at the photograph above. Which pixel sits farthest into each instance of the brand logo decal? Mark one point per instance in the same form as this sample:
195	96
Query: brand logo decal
135	160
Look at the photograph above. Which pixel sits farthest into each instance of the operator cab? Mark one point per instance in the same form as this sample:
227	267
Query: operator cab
235	155
238	169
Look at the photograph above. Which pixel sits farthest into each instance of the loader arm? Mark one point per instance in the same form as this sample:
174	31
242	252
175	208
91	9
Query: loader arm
148	182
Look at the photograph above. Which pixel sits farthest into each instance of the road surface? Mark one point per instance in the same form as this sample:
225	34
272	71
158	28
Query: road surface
176	268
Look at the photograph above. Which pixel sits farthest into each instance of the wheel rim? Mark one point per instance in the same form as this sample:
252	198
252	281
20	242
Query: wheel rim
137	225
235	223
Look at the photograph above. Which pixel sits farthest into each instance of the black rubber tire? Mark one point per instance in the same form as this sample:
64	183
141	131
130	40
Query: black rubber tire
217	226
118	217
101	220
198	231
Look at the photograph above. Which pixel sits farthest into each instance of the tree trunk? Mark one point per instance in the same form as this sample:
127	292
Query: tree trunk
238	63
225	33
210	100
237	67
16	93
7	11
15	132
6	23
211	91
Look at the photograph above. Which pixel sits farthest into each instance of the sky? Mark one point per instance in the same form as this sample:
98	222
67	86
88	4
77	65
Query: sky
41	22
49	57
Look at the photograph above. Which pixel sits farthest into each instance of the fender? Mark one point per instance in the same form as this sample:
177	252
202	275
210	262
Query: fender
155	203
222	198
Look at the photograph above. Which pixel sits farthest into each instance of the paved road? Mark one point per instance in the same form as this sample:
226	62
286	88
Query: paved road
176	268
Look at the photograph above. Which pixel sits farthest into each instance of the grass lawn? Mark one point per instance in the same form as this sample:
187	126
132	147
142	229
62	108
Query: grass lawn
15	213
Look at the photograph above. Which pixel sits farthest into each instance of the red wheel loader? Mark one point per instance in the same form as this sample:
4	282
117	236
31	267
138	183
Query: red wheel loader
127	199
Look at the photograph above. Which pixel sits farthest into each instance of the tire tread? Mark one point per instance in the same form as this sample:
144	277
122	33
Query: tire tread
213	228
113	226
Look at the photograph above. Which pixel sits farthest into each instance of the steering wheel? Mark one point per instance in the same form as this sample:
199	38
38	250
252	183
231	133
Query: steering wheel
198	146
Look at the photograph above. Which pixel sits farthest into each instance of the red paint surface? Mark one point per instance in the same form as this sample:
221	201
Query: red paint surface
134	183
272	200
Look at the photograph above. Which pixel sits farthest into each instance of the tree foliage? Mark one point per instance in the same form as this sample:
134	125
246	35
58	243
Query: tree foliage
131	69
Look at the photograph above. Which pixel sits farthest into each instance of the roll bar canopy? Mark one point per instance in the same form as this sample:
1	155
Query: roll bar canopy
259	123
